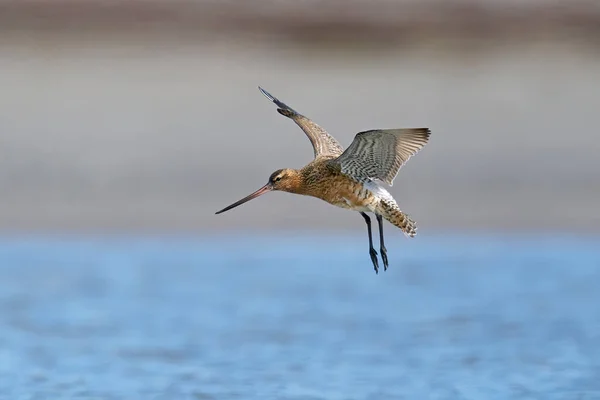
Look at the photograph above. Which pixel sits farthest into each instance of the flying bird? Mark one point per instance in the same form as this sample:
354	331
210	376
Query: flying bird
350	178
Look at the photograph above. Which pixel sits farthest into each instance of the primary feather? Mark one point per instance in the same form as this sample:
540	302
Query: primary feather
324	145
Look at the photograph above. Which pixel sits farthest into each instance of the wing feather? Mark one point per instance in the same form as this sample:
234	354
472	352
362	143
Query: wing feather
324	145
379	154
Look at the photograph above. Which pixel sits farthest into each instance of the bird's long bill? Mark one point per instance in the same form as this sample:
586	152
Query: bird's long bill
262	190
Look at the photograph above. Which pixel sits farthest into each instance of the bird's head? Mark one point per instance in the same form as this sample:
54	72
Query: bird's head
287	180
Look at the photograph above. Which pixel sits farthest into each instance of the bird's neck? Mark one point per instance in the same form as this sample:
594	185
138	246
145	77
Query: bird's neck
297	182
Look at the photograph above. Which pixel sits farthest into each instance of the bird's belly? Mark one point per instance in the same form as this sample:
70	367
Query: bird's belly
351	195
360	199
355	206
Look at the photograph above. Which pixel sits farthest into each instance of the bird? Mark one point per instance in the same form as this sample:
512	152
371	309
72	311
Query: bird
352	178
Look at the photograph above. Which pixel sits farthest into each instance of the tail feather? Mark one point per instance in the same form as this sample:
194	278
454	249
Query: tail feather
395	216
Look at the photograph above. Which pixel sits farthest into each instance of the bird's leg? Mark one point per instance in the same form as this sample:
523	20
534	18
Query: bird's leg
372	251
382	248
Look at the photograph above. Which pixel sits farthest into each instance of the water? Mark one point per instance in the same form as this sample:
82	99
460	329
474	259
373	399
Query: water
299	317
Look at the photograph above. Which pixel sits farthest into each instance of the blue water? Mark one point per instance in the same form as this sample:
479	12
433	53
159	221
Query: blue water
299	317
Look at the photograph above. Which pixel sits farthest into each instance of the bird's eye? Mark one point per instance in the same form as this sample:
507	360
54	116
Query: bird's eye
278	179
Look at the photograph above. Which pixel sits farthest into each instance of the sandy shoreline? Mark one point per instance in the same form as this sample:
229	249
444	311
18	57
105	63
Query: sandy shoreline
301	21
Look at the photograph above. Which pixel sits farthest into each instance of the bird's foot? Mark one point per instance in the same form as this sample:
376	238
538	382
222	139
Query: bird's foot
373	255
383	252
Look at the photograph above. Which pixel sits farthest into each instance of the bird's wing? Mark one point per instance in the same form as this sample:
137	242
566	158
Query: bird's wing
323	143
379	154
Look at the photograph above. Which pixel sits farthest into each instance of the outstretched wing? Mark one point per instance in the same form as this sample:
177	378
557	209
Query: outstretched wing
323	143
379	154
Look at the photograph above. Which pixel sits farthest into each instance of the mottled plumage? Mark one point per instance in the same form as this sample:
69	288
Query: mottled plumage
350	179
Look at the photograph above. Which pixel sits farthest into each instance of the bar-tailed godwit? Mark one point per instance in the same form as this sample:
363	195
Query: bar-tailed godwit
350	178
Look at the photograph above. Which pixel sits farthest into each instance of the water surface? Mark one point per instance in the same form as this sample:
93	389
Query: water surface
299	317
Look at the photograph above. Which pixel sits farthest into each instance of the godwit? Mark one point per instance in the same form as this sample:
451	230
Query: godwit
351	178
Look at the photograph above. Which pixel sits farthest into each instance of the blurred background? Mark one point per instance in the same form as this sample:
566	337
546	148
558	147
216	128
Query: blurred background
124	125
144	115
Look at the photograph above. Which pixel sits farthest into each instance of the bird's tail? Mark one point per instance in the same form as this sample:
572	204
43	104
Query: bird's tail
395	216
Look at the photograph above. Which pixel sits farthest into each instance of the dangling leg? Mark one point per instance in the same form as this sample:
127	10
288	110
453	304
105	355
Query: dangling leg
372	251
382	248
